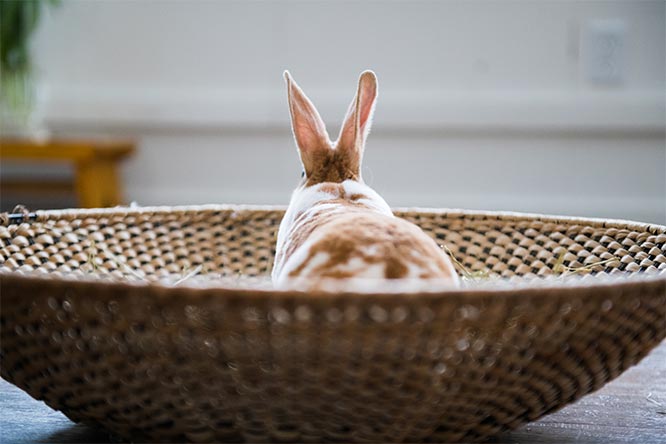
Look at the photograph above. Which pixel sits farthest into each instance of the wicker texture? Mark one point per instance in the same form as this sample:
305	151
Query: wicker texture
152	361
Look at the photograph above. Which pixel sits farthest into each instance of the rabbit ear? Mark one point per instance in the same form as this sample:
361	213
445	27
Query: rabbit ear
359	116
309	130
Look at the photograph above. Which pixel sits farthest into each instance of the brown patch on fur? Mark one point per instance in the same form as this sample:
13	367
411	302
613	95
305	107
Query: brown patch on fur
395	269
357	196
334	189
349	235
328	165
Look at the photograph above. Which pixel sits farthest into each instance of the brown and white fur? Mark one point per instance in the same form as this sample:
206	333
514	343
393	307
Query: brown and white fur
336	226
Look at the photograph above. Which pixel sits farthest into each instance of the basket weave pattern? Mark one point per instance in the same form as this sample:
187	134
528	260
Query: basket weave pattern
151	361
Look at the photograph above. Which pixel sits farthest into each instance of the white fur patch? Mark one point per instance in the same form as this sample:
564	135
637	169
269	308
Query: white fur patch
374	200
362	269
317	260
294	261
302	200
371	250
414	271
353	265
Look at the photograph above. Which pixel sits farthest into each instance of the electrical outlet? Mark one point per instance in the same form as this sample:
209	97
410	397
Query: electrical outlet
602	51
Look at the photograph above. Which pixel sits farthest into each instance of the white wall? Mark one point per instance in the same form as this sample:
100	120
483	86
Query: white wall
484	105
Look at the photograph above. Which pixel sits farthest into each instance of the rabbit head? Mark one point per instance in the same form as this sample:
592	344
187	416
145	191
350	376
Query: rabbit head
324	160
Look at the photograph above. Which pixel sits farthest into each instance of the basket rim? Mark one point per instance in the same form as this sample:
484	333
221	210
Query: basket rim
633	280
625	284
45	215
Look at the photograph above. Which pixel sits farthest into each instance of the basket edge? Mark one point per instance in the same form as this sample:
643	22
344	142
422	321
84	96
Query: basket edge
43	215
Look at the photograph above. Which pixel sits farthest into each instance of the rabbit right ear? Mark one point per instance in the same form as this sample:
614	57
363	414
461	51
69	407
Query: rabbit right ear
309	130
359	117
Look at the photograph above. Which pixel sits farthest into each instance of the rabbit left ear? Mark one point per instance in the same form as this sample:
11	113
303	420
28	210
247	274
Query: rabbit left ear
359	116
308	127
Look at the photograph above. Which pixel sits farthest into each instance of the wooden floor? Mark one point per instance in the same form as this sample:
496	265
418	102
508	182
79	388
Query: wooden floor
631	409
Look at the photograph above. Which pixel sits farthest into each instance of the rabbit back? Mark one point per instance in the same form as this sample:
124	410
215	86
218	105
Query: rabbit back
347	240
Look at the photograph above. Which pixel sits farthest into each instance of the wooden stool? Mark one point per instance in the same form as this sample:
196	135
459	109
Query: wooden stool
96	180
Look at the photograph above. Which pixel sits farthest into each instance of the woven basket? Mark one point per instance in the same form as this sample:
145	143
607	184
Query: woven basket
155	361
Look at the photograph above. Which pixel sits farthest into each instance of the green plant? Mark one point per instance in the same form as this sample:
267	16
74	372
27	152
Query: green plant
18	21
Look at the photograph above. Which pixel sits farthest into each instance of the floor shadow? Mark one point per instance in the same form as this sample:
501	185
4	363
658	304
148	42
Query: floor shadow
81	433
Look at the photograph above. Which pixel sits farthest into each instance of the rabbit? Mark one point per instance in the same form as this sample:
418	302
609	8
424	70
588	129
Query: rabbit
336	226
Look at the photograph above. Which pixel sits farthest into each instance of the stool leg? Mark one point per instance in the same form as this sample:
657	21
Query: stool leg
110	184
97	184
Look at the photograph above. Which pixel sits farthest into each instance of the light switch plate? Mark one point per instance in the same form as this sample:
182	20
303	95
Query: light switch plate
603	51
